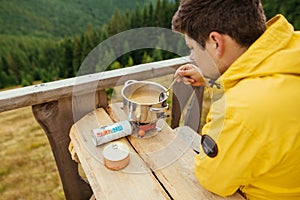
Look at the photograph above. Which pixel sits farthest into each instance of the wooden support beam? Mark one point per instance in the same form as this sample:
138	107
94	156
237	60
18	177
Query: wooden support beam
194	111
101	98
56	118
182	95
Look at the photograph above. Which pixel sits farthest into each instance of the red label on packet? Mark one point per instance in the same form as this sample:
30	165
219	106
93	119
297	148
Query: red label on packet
109	129
112	132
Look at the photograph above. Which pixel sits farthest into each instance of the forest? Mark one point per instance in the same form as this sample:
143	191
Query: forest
47	58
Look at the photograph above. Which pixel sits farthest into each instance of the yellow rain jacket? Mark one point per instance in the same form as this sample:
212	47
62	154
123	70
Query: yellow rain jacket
256	122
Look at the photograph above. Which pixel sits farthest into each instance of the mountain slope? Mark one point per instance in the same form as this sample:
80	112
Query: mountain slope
57	18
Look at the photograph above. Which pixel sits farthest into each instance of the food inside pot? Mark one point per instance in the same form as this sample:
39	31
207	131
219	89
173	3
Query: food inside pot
141	102
144	97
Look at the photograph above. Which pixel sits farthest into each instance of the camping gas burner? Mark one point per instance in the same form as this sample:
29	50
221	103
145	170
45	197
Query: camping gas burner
147	127
142	128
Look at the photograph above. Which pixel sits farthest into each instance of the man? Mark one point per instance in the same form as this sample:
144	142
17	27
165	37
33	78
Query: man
251	141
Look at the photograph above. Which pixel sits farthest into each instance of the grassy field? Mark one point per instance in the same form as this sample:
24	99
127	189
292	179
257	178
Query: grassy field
27	169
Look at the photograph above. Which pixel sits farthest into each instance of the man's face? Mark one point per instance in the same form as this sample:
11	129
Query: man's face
202	58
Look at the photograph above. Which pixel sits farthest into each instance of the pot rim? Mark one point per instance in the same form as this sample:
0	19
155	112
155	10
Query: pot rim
130	82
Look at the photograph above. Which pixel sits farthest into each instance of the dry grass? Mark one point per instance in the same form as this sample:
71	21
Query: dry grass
27	169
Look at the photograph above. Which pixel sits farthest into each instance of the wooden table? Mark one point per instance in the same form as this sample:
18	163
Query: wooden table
161	165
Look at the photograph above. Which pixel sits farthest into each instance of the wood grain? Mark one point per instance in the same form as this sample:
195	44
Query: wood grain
108	184
171	158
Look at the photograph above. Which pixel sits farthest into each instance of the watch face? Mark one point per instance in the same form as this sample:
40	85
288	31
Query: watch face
209	146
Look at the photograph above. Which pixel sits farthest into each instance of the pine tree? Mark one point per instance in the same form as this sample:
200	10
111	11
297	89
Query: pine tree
5	79
65	59
137	18
157	14
130	62
115	25
146	58
151	20
77	54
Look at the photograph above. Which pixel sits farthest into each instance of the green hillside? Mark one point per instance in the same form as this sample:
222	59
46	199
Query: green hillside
57	18
26	57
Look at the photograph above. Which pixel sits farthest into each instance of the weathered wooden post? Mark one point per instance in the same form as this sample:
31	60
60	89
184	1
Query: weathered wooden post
180	97
56	118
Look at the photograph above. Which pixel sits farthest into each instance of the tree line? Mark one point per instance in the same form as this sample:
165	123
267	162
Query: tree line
45	60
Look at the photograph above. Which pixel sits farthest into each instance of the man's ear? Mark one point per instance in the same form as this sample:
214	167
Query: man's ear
217	41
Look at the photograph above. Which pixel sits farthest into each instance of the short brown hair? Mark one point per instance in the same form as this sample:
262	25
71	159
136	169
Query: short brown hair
242	20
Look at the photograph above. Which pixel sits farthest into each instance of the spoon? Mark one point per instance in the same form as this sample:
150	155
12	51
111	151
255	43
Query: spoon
163	95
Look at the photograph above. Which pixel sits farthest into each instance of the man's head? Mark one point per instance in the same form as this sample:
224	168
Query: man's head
242	20
218	32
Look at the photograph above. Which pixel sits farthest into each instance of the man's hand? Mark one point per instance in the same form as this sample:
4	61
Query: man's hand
190	75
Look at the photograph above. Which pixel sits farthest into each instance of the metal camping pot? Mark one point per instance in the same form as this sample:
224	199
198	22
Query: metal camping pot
141	101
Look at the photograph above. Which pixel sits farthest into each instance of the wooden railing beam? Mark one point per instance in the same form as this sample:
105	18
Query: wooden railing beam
52	91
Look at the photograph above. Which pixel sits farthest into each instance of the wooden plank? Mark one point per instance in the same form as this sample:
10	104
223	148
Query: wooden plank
107	184
47	92
172	160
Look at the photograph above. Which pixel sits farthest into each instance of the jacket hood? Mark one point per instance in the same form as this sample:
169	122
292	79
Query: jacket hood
277	51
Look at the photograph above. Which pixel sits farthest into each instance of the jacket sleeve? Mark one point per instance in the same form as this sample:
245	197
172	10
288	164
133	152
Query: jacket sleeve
238	159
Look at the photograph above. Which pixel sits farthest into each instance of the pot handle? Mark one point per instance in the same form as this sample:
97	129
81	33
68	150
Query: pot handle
162	109
129	82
